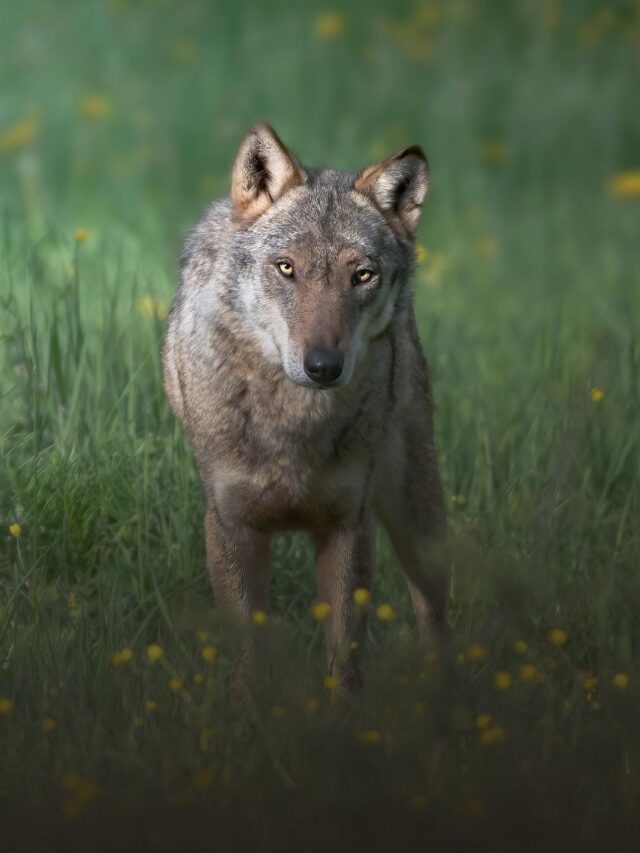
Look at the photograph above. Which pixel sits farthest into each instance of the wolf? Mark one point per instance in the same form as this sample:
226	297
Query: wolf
292	358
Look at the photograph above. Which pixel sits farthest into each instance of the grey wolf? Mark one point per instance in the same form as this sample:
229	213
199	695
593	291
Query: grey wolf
292	358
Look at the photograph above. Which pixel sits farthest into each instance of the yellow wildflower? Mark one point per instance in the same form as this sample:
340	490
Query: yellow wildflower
151	705
311	706
202	635
385	613
259	617
122	657
483	721
154	652
370	736
73	605
502	680
492	735
49	724
529	673
17	135
198	678
15	529
330	682
175	684
418	802
625	184
620	680
597	395
329	25
81	235
320	611
433	272
590	682
477	653
362	596
203	780
486	248
71	780
184	51
95	106
493	153
278	712
209	654
557	636
6	707
86	791
520	647
150	307
476	808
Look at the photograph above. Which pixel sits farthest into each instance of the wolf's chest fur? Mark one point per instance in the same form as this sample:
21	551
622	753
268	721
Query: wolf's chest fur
275	455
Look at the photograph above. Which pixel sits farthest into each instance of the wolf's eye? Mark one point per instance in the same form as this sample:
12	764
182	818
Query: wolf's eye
362	276
285	268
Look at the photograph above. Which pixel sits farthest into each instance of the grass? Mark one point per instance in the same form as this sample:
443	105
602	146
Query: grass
123	119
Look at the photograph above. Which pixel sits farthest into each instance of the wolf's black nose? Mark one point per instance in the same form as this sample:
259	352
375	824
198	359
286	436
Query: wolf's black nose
323	365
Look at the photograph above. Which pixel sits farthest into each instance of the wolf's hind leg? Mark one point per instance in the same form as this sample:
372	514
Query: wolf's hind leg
344	562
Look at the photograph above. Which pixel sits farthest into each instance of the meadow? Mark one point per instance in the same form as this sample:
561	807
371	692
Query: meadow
119	121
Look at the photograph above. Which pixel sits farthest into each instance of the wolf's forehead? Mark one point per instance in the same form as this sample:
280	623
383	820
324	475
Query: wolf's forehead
324	216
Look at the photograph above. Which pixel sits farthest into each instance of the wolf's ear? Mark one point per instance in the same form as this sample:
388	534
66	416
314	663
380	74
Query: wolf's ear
263	171
398	186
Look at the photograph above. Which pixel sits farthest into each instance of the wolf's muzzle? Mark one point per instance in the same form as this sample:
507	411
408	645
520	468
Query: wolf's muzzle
323	365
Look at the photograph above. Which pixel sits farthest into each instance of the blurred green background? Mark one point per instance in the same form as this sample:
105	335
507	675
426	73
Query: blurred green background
120	120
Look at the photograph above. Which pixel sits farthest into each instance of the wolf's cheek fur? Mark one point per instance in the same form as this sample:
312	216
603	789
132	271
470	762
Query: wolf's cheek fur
264	323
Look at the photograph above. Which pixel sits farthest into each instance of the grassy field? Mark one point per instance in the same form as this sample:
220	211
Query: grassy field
118	121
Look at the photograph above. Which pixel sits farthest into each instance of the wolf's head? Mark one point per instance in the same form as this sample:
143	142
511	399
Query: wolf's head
323	256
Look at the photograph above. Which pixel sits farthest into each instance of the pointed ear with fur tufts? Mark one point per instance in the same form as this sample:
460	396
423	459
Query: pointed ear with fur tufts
398	186
263	171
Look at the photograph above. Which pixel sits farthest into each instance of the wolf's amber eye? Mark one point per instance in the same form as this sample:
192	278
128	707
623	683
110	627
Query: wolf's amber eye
285	268
362	276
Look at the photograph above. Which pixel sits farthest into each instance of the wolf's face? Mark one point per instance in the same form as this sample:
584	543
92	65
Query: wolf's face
323	256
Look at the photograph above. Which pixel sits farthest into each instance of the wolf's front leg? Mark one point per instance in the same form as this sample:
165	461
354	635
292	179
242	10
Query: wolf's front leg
344	562
238	560
410	504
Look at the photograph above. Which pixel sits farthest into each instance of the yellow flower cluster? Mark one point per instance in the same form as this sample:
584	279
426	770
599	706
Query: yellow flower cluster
122	657
369	736
95	106
385	613
329	25
150	307
625	184
18	135
209	654
321	611
154	653
557	636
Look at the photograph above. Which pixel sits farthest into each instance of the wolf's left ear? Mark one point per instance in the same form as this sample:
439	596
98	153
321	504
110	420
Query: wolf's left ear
398	186
263	171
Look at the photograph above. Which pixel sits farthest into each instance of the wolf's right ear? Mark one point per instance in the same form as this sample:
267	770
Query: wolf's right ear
263	171
398	186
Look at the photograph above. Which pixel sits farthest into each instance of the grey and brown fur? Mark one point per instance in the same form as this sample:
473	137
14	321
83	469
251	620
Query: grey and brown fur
276	449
